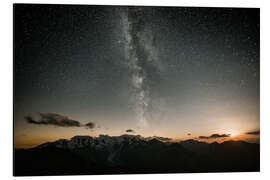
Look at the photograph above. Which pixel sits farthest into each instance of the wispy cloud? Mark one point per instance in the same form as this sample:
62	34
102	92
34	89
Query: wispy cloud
56	120
52	119
130	131
90	125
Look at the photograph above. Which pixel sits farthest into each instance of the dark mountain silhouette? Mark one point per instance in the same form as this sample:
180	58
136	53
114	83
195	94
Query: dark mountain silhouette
128	154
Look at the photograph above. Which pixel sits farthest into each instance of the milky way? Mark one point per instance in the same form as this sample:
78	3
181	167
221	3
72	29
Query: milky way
140	53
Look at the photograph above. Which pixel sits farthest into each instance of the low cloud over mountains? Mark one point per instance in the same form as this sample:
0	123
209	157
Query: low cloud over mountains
214	136
253	132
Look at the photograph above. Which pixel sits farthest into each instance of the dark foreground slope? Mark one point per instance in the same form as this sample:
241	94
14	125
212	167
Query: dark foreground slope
134	155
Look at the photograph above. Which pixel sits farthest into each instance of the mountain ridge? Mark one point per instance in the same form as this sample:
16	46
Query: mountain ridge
129	154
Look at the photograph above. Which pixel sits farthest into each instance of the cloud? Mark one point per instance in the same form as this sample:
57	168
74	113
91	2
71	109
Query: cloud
90	125
130	131
214	136
253	132
162	138
203	137
52	119
220	135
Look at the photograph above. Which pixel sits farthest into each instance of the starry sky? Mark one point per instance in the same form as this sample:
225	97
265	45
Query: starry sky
177	72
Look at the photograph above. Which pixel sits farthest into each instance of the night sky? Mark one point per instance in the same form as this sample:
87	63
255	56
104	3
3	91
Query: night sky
174	72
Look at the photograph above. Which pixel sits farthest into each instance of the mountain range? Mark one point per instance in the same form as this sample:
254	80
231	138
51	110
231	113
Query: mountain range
134	154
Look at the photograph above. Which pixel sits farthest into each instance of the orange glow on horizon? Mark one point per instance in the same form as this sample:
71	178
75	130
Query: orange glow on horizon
233	133
27	142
